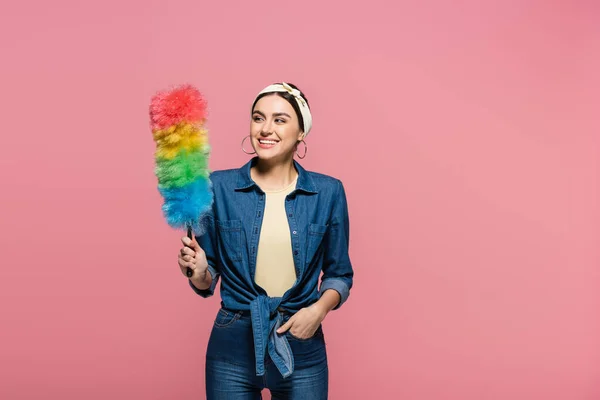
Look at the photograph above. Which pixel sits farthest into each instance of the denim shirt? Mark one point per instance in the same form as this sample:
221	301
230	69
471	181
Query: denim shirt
317	214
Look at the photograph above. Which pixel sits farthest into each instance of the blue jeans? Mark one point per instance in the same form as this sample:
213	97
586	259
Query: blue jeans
231	367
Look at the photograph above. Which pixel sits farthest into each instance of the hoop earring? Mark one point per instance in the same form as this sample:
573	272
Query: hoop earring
305	149
243	140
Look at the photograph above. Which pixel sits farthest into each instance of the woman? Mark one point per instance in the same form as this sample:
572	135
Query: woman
273	228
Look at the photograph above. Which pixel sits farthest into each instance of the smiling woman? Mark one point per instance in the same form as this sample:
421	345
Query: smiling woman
273	228
283	111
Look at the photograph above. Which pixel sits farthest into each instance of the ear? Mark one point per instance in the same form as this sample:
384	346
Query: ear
301	136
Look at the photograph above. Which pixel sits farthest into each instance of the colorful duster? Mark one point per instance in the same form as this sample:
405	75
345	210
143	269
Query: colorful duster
177	118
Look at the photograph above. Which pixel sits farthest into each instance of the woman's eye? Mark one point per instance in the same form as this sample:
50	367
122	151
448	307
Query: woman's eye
256	118
280	121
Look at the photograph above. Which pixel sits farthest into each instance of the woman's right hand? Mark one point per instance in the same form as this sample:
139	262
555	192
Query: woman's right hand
192	256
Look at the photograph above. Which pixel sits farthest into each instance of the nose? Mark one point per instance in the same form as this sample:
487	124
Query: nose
266	129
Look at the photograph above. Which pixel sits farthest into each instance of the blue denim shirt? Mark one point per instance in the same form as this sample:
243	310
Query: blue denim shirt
317	214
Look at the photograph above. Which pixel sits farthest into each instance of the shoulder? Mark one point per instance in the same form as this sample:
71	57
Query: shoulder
221	174
324	181
330	188
224	176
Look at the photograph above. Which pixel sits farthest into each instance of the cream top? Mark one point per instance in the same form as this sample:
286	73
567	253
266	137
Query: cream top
275	271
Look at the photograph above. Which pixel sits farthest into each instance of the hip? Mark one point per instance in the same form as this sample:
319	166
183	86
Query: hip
232	341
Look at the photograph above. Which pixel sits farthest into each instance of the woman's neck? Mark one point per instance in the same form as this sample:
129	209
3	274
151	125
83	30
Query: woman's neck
273	176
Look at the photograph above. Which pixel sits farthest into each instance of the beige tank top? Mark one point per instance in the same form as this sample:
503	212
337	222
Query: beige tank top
275	271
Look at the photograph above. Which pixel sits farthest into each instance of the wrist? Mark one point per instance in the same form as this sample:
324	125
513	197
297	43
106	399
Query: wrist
322	308
329	300
202	281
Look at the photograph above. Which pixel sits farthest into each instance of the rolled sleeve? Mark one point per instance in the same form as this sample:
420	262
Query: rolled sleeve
337	268
339	286
211	290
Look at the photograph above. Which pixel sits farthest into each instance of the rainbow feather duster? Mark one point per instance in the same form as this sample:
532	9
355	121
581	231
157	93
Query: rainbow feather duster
177	118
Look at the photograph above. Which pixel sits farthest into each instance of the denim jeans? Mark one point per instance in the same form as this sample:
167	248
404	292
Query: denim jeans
231	365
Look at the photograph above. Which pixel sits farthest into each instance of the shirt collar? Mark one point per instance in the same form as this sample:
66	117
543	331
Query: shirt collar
304	183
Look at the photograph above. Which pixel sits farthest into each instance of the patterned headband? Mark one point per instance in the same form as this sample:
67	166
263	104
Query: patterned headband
304	110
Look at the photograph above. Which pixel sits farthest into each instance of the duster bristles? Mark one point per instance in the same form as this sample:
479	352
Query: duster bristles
177	119
181	104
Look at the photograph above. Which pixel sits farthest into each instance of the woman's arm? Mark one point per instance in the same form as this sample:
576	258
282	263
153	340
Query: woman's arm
338	274
205	285
203	280
328	301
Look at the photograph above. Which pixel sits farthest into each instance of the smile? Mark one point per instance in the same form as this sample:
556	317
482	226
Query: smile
266	143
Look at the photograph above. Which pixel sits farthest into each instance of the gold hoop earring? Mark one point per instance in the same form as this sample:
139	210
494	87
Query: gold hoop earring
305	149
243	140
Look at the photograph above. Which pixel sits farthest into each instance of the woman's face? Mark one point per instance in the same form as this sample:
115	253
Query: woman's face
274	129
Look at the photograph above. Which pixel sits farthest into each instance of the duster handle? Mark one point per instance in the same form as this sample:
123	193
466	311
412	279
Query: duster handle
189	272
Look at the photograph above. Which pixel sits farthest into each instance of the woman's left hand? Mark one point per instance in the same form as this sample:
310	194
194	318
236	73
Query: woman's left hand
305	322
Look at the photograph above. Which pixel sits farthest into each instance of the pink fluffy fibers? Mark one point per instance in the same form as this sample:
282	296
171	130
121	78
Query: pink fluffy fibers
181	104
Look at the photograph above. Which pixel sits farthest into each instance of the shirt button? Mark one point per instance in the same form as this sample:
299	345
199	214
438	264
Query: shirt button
295	252
294	232
290	214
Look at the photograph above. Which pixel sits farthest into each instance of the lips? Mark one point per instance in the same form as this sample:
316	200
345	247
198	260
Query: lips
267	143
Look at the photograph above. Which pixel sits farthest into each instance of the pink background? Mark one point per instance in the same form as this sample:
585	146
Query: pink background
466	134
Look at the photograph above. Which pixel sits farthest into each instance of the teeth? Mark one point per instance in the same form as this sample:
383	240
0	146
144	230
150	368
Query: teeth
267	141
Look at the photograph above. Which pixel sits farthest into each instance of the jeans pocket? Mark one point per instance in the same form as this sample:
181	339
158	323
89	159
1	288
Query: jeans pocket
226	318
318	333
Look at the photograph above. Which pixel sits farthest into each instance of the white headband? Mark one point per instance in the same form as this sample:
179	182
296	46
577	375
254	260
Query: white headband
302	105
